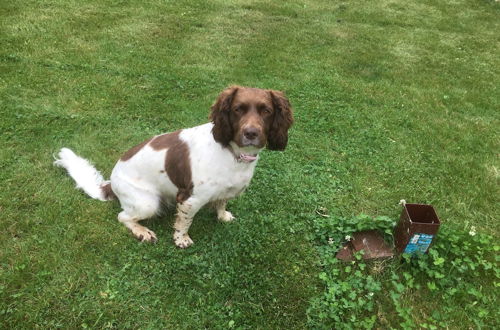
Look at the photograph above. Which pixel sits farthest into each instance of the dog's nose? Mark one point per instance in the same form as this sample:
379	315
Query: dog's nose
251	133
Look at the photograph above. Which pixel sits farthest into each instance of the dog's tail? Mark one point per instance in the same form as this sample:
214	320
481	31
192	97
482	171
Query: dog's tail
86	176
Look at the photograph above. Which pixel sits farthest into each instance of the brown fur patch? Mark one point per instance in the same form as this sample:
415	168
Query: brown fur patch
177	163
131	152
165	141
220	116
108	192
282	121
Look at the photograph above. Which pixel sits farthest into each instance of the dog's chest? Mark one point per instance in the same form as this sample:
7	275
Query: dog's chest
224	181
237	182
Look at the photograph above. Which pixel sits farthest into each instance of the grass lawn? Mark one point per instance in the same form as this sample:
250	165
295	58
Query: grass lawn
393	99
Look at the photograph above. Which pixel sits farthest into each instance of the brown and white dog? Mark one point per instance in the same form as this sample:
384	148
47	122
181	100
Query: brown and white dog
192	167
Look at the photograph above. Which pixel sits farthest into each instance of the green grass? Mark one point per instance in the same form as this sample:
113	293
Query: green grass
393	99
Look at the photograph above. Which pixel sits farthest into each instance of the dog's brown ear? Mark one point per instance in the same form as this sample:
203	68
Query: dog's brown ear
220	116
283	119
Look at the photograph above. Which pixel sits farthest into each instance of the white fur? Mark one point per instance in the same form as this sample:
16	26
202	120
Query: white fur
83	172
140	183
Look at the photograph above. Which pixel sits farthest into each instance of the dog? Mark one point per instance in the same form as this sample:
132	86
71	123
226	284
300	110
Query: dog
207	164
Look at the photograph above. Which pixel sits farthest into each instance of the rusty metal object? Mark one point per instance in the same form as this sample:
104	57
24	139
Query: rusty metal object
370	241
417	227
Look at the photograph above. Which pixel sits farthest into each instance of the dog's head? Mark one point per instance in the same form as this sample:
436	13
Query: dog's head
252	117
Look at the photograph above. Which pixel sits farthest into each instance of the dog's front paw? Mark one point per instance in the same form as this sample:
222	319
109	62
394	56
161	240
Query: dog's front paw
225	216
182	241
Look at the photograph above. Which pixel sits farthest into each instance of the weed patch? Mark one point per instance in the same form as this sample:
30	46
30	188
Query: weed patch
461	268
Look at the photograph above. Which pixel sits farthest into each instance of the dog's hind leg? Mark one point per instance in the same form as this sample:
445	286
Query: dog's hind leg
140	232
135	210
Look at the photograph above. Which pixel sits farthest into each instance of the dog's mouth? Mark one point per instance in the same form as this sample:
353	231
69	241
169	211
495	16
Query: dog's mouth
255	144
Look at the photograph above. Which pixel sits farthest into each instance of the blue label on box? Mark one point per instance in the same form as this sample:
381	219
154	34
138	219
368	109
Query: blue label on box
419	243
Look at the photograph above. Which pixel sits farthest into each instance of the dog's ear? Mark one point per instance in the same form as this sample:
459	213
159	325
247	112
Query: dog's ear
220	116
283	119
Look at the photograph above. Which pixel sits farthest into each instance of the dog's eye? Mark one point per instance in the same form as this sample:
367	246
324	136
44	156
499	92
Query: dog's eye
239	108
266	110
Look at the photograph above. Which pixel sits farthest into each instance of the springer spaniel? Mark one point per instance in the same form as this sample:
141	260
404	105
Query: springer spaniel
192	167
